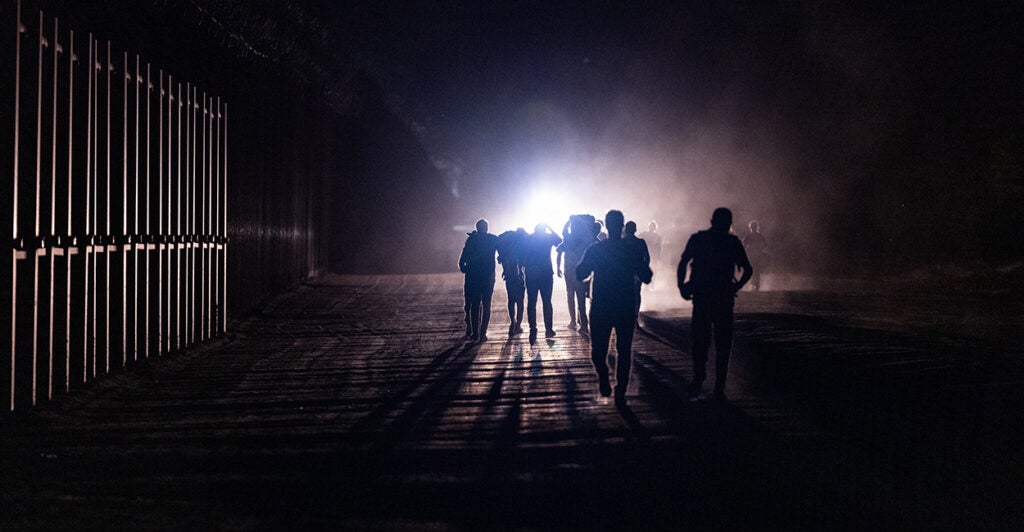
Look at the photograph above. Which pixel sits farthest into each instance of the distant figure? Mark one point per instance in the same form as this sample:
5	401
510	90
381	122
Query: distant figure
757	251
629	235
653	239
536	256
578	236
477	262
616	265
509	245
713	256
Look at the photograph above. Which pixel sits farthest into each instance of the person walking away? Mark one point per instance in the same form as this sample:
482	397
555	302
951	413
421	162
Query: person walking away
653	239
711	257
578	236
616	265
757	250
477	262
539	277
509	244
629	235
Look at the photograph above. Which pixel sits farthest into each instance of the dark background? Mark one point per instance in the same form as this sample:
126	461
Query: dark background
363	136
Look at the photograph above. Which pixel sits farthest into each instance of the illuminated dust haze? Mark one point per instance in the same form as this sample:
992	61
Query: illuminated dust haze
862	139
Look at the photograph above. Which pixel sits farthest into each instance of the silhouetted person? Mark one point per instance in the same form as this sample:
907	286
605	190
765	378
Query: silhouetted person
653	239
477	262
509	245
616	265
578	236
757	251
629	235
536	256
713	256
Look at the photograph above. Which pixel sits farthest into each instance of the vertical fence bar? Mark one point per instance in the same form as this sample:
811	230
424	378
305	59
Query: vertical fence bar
178	233
148	242
72	245
133	242
187	230
89	176
109	229
120	245
216	220
209	205
18	31
190	210
53	204
170	195
38	192
202	230
98	244
224	229
161	243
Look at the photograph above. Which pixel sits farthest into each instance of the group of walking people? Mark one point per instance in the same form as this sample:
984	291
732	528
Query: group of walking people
607	263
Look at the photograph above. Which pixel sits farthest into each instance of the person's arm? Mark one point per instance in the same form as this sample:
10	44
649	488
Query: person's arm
684	262
558	260
463	263
586	265
744	263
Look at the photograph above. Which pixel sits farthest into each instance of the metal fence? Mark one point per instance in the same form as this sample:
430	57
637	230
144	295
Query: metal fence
118	209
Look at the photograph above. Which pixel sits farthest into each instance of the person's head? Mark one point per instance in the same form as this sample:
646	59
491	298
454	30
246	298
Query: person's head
614	221
630	228
521	230
539	228
754	226
721	219
653	226
481	226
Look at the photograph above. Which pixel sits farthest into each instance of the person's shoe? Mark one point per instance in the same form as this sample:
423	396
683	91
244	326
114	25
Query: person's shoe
694	392
519	329
511	330
483	337
469	332
550	334
604	386
620	395
474	337
533	336
584	329
572	324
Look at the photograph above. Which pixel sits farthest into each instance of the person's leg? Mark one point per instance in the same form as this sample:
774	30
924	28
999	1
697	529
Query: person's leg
700	330
475	308
580	293
546	287
636	302
520	299
486	293
511	306
532	291
570	296
624	357
468	298
722	318
600	335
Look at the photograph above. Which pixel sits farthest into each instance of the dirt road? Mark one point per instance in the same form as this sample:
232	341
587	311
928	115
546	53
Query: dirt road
355	402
